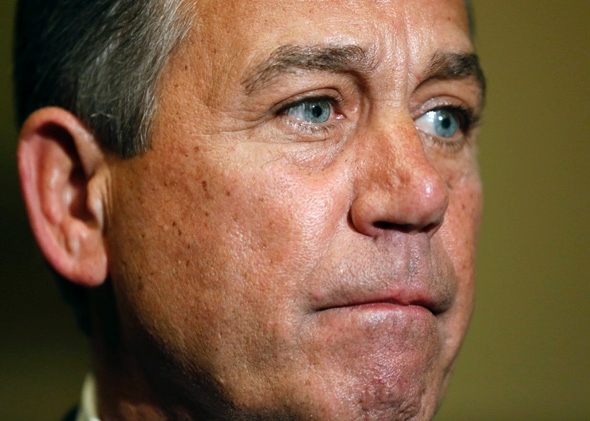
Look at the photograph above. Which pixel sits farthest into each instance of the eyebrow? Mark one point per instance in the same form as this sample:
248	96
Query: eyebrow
455	66
353	59
290	58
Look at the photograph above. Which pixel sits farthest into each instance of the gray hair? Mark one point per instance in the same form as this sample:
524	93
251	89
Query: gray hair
99	59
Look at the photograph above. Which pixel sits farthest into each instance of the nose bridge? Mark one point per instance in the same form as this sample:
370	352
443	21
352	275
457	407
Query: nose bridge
396	186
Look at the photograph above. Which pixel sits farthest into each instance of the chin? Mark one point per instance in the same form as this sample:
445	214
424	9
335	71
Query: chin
381	389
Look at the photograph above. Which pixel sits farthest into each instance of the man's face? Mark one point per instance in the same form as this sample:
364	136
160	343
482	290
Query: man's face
300	240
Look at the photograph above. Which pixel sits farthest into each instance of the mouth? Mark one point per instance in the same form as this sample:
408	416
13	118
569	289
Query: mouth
415	302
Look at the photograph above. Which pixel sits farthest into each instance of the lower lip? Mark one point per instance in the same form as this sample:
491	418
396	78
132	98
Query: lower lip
379	311
377	321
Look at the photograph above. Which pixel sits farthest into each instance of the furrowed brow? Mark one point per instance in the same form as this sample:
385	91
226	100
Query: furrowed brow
291	58
451	66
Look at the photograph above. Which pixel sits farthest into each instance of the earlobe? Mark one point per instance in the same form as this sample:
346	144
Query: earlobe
64	181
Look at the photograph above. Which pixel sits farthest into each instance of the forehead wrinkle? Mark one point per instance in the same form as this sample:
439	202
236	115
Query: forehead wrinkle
452	66
351	59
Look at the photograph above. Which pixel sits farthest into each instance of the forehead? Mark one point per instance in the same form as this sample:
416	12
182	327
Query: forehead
290	21
230	39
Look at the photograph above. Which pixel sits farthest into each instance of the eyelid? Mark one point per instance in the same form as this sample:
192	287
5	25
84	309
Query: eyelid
451	95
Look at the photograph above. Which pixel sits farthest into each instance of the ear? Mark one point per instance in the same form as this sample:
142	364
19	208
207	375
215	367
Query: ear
64	180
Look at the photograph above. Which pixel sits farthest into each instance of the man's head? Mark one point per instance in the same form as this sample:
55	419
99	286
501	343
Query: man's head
298	241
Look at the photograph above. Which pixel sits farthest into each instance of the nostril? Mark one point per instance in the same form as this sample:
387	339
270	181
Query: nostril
385	225
408	228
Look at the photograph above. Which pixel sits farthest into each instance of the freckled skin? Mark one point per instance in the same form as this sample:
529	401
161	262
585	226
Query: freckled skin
236	245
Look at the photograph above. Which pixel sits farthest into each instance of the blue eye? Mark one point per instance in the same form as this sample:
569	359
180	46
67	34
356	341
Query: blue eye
441	122
312	111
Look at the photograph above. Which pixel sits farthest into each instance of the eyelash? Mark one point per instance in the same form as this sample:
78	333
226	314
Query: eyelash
467	118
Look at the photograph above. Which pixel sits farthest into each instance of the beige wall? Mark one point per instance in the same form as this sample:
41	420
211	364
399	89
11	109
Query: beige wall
527	354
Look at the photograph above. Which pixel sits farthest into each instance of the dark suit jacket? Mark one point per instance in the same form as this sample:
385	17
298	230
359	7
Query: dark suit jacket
71	415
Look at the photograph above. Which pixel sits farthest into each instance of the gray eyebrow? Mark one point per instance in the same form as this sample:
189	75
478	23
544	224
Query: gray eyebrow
451	66
290	58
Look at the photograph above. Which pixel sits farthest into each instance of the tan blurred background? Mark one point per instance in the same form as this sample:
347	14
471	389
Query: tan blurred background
527	356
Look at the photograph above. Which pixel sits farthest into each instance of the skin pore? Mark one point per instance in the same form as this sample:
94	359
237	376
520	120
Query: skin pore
299	242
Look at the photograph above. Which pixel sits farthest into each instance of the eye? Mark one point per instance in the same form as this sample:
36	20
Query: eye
442	122
311	111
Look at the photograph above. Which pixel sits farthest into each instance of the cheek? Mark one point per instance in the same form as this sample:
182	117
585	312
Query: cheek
461	225
463	216
210	249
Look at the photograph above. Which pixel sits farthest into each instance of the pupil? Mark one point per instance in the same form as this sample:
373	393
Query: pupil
316	111
445	122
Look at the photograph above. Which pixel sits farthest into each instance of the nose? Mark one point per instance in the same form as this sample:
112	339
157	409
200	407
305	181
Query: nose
396	186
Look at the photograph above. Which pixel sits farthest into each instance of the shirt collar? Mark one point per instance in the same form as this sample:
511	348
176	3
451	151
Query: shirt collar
88	409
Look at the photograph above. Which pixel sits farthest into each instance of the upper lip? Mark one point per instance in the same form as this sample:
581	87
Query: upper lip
404	271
